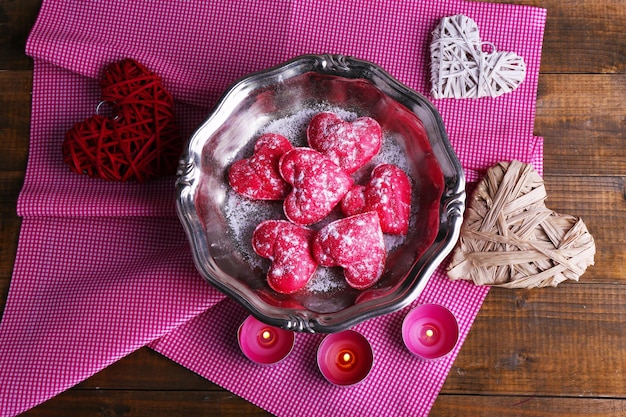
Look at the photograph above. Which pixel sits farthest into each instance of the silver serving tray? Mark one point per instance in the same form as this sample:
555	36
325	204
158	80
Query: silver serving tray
217	223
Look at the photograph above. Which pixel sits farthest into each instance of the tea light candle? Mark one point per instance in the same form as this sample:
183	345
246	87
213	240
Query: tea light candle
345	358
430	331
262	343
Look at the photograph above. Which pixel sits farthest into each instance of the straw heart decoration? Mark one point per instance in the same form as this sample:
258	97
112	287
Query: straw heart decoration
139	141
462	68
511	239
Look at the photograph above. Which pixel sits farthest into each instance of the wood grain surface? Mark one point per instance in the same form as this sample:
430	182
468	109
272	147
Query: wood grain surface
549	352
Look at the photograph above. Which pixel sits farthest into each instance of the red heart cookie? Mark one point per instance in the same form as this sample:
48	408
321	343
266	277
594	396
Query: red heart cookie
356	244
388	193
139	141
288	247
348	144
354	201
318	185
258	177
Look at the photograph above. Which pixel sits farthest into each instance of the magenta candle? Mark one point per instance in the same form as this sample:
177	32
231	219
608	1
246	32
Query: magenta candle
345	358
430	331
262	343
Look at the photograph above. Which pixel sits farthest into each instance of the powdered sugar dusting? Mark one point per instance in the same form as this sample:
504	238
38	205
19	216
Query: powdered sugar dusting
243	216
327	280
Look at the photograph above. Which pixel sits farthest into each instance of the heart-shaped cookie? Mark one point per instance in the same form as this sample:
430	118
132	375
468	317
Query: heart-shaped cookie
348	144
511	239
289	248
318	185
140	140
462	68
357	245
258	177
388	193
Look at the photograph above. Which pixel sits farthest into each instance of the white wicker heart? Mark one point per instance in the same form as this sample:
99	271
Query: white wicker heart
462	66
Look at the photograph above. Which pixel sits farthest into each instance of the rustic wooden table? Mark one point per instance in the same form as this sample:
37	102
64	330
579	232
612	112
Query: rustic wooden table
557	351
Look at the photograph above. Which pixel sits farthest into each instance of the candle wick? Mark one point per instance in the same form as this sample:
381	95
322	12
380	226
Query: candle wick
267	337
345	359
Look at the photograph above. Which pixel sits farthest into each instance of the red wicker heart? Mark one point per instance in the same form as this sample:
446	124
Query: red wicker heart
139	141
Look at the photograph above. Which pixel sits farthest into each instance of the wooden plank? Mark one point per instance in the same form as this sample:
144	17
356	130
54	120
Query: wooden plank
16	21
588	38
15	100
520	406
583	121
9	233
15	103
146	369
564	341
166	403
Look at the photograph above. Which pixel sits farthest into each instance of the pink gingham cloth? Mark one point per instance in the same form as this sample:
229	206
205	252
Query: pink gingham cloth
103	269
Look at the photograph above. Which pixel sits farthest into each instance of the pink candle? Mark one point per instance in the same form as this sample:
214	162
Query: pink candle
430	331
262	343
345	358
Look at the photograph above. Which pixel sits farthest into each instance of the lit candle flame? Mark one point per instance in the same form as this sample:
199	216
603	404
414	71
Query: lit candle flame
267	337
346	359
428	335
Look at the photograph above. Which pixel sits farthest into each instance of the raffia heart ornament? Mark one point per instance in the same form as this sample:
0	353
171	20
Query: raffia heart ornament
462	66
511	239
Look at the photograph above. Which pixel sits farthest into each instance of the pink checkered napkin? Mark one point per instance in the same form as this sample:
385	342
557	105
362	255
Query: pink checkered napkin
103	268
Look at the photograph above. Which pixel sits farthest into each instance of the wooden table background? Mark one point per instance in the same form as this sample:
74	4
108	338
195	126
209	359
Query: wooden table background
556	351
